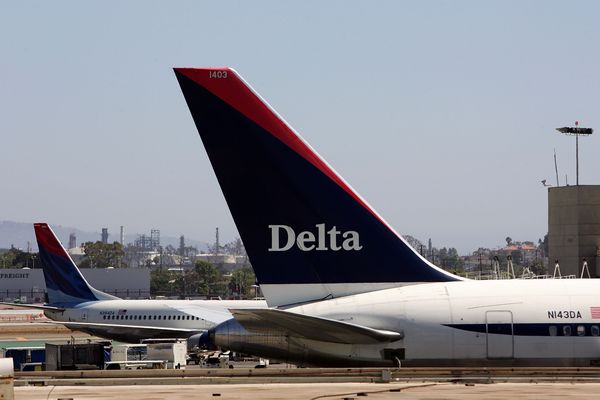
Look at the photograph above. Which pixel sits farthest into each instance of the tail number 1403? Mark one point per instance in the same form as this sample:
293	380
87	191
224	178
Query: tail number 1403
217	74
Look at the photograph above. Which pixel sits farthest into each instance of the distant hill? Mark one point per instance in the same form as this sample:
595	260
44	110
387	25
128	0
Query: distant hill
18	234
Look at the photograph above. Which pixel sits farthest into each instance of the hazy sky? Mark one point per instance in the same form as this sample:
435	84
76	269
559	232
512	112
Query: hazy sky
441	114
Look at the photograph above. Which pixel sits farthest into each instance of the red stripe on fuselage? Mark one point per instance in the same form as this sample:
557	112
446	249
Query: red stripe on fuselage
229	87
48	241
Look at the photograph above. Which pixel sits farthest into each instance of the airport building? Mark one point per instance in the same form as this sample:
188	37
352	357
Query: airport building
574	229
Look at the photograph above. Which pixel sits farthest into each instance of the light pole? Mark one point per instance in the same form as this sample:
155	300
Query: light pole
576	131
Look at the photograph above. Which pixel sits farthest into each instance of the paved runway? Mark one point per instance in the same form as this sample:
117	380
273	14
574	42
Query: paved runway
314	391
28	333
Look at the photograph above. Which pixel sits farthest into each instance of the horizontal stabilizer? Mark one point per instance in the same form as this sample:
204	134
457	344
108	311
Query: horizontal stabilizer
34	306
308	327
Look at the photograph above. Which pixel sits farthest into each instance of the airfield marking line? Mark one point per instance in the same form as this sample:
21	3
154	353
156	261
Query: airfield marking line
396	388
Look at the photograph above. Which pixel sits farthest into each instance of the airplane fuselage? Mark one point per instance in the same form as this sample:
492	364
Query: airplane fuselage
120	319
470	323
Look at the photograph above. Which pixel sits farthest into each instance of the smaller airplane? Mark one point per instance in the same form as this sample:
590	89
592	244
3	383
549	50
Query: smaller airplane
73	302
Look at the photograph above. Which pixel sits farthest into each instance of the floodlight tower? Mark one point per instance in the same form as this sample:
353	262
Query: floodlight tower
576	131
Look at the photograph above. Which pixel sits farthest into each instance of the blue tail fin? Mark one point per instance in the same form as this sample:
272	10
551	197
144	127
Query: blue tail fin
301	223
64	281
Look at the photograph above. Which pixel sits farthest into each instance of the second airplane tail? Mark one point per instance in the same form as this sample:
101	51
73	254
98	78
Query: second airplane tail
308	234
64	282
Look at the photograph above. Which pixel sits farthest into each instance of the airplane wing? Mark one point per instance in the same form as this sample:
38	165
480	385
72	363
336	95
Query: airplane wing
127	331
215	315
34	306
316	328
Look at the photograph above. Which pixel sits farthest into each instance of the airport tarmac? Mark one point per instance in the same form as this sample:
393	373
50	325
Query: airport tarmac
314	391
29	333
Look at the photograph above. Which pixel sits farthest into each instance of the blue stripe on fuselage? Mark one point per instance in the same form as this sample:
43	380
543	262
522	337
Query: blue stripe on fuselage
532	329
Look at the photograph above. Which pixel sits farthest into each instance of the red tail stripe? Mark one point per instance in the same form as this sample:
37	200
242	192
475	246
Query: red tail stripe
48	241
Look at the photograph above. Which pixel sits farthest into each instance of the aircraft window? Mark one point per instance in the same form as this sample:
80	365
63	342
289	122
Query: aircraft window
552	330
567	330
159	317
580	330
154	317
122	316
169	317
179	317
104	317
144	317
595	330
112	317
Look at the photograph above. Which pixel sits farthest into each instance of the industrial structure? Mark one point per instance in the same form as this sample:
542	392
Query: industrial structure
104	235
574	229
72	241
149	243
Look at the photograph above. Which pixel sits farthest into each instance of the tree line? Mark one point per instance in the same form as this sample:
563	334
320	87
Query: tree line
204	279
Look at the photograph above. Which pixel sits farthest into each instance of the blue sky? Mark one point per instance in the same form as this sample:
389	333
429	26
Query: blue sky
441	114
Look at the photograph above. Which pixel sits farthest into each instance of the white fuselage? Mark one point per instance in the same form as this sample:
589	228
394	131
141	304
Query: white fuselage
186	315
501	322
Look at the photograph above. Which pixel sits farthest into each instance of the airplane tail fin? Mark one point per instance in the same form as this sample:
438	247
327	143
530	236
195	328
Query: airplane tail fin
64	282
308	234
